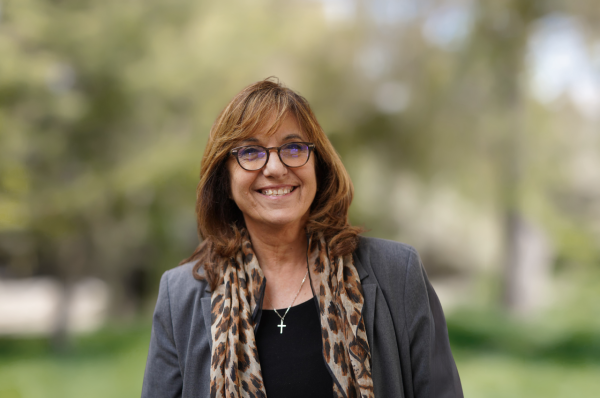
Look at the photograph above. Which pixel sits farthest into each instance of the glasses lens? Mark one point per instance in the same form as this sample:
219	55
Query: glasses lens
252	157
294	154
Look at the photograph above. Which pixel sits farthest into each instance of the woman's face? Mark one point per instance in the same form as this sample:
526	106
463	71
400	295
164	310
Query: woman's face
256	193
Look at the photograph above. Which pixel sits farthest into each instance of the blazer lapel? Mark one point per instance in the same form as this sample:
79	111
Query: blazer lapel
360	268
369	286
206	312
370	296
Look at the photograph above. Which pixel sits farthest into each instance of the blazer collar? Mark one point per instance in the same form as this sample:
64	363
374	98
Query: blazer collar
362	271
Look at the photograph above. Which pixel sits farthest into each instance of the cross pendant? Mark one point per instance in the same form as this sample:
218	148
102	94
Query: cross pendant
281	326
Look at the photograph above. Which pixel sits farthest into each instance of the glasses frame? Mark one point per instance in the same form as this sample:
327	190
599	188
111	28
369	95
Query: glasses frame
235	151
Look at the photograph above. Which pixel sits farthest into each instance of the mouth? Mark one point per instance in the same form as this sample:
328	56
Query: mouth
274	192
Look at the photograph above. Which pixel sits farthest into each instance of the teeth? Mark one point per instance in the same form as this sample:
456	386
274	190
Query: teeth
276	192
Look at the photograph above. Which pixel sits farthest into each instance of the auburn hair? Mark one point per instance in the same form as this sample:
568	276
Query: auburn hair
220	221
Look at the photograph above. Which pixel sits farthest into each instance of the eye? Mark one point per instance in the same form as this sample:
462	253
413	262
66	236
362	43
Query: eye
251	153
294	149
294	146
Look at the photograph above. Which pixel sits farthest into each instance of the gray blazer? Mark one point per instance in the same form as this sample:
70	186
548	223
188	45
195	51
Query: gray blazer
405	325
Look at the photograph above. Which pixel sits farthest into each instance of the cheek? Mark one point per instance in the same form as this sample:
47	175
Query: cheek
240	182
237	189
310	180
314	172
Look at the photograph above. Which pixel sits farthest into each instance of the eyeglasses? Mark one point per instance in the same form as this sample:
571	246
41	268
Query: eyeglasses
255	157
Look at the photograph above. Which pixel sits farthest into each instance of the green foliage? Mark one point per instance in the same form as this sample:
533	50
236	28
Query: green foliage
104	111
495	334
107	363
105	107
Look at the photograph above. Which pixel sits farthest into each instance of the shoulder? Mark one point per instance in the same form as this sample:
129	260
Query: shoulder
383	255
396	268
180	297
179	282
384	246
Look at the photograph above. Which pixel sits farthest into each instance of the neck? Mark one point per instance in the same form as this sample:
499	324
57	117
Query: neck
280	250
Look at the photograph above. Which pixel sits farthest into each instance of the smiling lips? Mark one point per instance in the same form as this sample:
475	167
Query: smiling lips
277	191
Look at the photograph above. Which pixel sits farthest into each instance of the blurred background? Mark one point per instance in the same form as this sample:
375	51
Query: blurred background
470	129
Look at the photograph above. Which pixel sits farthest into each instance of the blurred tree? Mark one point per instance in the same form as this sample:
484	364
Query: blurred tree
104	111
444	94
105	107
500	41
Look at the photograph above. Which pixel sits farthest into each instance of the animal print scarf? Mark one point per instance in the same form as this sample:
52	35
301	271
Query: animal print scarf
235	368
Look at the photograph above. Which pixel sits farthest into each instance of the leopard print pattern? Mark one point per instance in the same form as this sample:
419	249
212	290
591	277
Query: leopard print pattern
342	326
235	367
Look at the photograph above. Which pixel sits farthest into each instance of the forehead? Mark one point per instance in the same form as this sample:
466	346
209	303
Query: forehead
285	129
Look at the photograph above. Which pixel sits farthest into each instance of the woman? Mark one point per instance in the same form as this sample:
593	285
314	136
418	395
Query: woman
354	316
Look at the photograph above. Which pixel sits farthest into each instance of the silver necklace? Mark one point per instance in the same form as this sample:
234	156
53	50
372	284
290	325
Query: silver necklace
281	325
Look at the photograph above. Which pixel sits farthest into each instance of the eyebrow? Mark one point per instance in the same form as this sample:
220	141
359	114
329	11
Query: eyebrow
291	136
286	138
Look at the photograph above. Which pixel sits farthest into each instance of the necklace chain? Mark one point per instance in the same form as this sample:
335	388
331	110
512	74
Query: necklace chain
293	301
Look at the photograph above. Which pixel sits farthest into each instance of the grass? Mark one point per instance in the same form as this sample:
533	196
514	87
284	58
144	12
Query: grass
502	376
496	358
109	363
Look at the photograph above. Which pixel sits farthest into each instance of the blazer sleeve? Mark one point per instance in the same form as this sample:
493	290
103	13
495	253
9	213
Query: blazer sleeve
433	368
162	378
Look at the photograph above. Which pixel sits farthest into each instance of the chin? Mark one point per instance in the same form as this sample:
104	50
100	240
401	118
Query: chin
281	219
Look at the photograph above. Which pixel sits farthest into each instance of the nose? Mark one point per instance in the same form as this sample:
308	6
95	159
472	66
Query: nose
274	167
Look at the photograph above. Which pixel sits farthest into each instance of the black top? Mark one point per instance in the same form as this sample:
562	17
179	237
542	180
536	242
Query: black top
292	362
